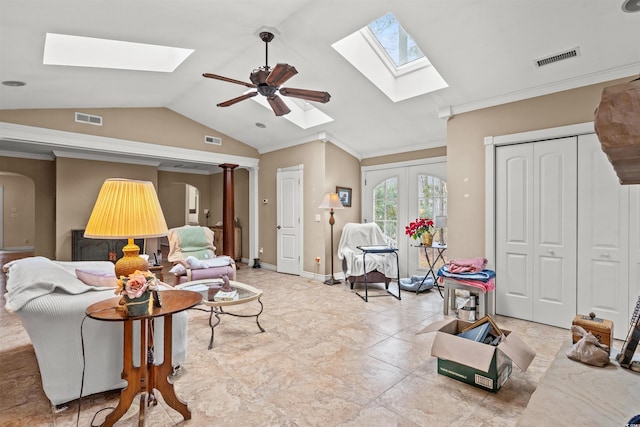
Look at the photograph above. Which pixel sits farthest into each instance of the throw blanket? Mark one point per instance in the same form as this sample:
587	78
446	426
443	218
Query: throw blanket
369	234
489	285
33	277
467	265
482	276
190	240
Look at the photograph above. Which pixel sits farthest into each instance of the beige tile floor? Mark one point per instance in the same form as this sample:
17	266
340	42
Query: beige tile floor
326	359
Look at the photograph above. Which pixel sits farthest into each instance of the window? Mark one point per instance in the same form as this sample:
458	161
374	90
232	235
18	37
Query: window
395	41
385	206
432	202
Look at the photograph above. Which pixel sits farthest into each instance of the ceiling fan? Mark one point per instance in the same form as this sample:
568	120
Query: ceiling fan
267	83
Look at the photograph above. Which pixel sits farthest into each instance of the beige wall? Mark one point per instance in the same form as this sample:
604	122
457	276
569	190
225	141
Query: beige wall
43	176
325	167
172	195
152	125
78	185
465	150
19	210
403	157
72	209
342	170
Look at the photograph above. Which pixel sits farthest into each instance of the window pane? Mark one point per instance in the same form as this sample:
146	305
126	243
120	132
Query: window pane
398	44
385	204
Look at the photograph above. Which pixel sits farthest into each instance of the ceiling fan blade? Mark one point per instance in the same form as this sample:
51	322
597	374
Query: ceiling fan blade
280	74
309	95
238	99
227	79
278	105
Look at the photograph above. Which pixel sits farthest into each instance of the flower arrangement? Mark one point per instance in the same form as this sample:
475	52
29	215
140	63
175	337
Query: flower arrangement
419	227
136	284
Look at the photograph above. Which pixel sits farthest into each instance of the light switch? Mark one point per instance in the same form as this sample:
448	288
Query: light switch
317	217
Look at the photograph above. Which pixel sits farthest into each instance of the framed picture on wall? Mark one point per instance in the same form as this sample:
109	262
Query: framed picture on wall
344	194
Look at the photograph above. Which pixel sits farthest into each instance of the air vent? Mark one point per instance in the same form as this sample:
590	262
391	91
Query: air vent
572	53
212	140
89	119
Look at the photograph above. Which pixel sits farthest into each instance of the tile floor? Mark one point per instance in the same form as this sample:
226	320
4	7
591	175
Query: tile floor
326	359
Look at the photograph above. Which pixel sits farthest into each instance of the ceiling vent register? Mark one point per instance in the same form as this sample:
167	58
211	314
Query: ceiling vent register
89	119
572	53
212	140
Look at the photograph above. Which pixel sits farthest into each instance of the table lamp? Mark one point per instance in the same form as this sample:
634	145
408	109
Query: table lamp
441	223
127	209
331	201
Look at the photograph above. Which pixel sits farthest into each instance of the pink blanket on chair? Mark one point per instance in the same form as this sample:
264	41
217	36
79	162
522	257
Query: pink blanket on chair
466	265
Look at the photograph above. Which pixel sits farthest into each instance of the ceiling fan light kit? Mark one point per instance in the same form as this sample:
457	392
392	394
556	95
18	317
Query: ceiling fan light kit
267	83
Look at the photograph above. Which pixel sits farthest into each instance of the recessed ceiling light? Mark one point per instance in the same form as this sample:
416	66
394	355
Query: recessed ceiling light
76	51
13	83
261	125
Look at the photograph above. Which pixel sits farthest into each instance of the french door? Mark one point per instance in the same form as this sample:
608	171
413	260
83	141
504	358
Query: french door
391	197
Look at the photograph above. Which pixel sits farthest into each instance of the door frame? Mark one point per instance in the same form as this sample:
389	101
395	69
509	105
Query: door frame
490	144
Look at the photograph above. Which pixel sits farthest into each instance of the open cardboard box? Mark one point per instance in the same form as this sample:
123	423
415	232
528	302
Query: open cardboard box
475	363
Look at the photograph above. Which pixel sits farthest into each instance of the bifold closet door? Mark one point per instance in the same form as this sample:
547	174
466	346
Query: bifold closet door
603	243
536	215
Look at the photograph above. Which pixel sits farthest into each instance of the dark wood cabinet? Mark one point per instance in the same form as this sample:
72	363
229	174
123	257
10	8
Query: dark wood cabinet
84	249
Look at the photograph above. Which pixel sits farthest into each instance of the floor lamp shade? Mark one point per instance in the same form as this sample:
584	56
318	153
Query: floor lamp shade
331	201
127	209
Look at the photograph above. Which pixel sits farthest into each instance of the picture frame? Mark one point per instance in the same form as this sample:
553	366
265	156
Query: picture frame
344	193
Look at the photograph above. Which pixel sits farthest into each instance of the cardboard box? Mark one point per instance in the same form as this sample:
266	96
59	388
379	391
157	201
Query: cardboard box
481	365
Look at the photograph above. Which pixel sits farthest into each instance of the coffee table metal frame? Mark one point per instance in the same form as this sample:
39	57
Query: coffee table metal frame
216	307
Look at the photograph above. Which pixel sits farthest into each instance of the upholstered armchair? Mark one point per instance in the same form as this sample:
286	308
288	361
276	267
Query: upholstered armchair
194	256
380	268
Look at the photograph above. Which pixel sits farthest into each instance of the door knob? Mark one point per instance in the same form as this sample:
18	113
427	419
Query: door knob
278	227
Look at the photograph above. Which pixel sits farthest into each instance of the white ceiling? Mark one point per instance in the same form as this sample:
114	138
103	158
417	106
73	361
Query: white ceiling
484	49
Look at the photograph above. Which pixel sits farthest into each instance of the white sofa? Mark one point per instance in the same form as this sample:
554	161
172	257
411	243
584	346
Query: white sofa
51	302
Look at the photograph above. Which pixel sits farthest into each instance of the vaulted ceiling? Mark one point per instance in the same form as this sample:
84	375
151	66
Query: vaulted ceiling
484	49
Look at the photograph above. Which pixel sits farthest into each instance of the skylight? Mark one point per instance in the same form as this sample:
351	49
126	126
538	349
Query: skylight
396	42
303	114
391	59
77	51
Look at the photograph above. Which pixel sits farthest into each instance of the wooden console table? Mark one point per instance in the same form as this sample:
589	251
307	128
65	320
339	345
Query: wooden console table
148	376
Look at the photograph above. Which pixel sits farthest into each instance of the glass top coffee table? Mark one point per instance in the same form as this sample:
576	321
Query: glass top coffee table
243	294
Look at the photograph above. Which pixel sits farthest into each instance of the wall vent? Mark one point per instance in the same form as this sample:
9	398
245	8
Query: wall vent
88	119
212	140
571	53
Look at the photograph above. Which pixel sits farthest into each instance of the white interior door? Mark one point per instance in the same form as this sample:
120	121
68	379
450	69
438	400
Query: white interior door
536	214
289	233
555	217
603	227
514	231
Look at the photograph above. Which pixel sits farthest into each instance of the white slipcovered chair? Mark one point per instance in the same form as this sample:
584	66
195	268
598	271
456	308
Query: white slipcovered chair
379	268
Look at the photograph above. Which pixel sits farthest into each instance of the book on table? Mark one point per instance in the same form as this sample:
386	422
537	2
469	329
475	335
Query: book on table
226	295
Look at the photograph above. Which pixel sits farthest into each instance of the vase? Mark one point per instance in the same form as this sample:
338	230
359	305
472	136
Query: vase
427	239
137	306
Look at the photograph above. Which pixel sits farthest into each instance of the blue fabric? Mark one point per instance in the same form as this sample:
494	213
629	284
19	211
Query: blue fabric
482	276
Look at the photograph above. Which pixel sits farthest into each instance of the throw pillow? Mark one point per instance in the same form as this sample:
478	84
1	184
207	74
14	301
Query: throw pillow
97	278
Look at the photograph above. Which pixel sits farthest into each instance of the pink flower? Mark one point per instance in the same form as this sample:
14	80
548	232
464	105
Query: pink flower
135	285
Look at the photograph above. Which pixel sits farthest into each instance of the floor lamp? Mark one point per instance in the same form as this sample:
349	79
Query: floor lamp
331	201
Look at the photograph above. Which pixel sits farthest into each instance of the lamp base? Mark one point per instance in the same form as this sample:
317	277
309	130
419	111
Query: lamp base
332	281
131	261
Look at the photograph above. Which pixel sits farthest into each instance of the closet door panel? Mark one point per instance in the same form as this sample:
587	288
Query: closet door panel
554	218
603	243
514	231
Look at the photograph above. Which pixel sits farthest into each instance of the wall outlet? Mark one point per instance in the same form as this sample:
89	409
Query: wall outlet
261	250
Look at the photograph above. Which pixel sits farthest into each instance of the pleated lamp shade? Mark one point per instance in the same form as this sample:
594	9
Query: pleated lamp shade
127	209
